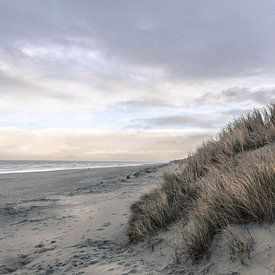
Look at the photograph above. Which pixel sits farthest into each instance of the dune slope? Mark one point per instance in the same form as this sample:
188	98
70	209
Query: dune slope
229	180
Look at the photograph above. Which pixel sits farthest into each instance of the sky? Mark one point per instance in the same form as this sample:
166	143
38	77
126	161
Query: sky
143	80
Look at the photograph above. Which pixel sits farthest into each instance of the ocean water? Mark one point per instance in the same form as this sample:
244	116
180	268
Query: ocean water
22	166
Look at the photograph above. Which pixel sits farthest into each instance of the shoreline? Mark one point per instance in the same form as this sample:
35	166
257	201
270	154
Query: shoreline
68	169
80	168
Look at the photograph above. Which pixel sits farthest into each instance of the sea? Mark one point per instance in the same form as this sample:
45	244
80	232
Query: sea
25	166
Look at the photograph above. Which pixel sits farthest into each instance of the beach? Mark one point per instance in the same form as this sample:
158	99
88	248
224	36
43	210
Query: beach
74	221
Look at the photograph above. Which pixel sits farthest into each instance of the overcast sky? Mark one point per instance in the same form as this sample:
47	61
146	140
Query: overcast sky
129	79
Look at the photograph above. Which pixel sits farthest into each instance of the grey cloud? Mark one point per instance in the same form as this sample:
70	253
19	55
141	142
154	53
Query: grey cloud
20	87
188	39
143	103
235	112
178	121
240	95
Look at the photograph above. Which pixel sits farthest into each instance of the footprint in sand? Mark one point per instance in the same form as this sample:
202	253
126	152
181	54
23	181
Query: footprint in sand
106	224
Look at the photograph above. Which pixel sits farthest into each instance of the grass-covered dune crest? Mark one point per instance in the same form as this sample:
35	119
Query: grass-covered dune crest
229	179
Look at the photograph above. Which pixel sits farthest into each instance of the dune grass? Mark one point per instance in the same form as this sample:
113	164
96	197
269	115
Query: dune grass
229	179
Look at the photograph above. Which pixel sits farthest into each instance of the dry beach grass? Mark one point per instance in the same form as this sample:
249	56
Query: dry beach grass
229	179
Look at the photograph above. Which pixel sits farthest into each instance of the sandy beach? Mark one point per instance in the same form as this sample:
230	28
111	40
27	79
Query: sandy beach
74	221
137	137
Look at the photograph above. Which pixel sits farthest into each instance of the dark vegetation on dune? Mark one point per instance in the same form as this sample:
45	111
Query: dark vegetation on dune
229	179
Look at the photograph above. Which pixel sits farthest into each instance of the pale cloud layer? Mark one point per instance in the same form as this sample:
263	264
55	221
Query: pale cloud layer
90	145
139	67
